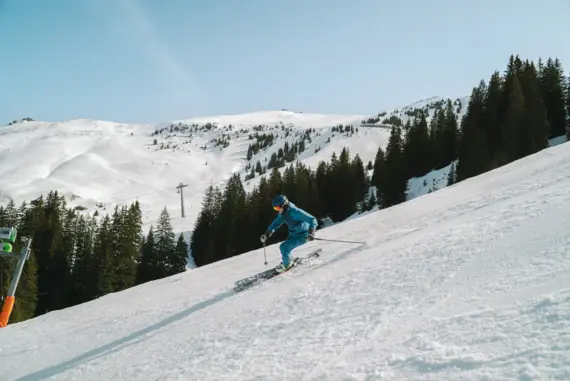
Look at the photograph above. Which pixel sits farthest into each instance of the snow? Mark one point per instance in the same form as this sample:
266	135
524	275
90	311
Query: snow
99	164
466	283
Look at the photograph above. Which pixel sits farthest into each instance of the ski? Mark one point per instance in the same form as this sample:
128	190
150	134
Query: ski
243	284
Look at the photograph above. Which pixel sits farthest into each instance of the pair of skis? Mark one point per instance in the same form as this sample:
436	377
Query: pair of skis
243	284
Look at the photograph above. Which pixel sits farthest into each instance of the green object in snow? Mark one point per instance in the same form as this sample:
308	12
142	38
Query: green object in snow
5	247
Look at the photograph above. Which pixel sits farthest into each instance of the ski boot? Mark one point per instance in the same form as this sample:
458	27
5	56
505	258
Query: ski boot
282	268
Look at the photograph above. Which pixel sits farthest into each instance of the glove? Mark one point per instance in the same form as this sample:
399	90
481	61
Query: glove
311	235
265	236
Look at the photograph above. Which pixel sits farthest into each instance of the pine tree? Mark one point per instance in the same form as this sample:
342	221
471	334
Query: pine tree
289	183
341	177
201	243
361	180
127	236
380	178
82	281
394	191
179	260
513	120
451	175
552	89
228	230
473	156
323	188
492	122
103	275
535	122
437	138
149	266
307	192
48	243
165	245
275	182
450	136
418	148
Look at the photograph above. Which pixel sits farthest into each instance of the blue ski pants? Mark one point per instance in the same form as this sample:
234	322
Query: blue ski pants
287	246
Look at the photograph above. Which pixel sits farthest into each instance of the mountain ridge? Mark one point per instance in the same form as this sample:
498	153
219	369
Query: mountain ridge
97	164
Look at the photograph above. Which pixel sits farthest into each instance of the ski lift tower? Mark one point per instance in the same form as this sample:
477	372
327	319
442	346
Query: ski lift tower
7	238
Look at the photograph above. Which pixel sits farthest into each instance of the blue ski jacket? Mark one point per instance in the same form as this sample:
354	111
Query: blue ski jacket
298	221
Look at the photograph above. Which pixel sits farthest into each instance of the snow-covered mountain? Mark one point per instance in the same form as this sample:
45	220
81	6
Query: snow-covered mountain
98	164
467	283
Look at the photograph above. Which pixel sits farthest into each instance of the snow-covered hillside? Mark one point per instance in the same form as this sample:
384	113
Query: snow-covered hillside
428	106
98	164
467	283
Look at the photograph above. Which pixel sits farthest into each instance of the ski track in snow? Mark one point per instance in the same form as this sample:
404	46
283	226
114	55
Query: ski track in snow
467	283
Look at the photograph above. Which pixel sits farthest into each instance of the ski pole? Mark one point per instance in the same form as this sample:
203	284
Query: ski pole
338	240
264	253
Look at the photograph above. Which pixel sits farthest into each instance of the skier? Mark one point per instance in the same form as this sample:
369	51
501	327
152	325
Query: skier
302	227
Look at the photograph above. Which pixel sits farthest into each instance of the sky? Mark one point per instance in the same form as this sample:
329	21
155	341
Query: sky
150	61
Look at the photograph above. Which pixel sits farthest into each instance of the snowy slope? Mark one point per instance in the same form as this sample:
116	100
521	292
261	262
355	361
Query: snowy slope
467	283
104	163
99	164
428	105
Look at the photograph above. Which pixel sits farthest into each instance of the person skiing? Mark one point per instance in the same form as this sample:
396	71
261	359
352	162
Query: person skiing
302	227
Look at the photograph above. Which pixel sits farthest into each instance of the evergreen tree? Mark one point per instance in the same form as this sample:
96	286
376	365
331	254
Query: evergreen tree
451	175
380	178
306	194
361	180
323	187
165	245
82	281
473	152
275	182
127	237
450	136
492	122
342	179
552	83
393	192
180	258
437	138
514	119
418	148
201	243
149	265
228	236
53	266
535	128
103	275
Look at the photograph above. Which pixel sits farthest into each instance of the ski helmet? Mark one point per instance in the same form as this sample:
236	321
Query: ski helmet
279	202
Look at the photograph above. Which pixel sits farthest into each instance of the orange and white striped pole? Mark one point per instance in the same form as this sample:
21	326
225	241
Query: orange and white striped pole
11	297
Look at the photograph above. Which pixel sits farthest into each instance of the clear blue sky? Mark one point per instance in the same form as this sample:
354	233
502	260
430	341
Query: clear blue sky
158	60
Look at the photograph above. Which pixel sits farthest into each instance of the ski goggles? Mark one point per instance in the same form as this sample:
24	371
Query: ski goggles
277	208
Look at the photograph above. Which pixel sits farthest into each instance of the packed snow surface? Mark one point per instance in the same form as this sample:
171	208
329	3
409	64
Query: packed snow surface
466	283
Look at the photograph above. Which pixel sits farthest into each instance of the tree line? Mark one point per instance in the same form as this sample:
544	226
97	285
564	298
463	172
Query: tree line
511	117
231	220
77	258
